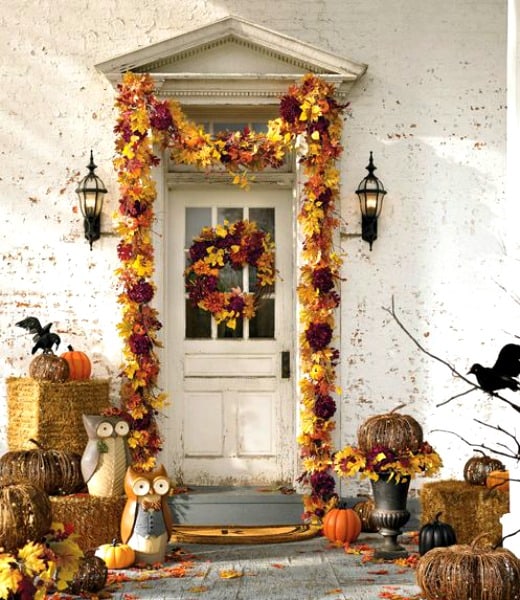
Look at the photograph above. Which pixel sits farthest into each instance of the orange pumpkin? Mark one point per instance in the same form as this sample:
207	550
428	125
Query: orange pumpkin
79	364
116	556
341	524
498	480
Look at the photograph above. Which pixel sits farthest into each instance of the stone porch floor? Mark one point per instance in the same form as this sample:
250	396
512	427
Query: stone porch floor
302	570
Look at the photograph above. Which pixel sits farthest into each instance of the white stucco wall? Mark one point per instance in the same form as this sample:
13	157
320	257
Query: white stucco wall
432	108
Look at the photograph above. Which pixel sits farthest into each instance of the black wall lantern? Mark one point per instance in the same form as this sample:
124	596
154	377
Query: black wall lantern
90	192
371	193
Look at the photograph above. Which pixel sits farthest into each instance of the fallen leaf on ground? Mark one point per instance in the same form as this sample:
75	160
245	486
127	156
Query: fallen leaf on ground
379	572
198	589
229	574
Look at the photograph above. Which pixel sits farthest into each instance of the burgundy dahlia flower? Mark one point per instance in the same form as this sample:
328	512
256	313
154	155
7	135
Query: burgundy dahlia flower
140	343
322	279
324	407
161	117
323	484
237	304
318	335
141	292
290	109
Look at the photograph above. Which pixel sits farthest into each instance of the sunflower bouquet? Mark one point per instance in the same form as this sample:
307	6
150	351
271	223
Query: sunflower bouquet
383	461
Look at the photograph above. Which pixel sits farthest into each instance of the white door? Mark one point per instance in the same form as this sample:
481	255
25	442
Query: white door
232	414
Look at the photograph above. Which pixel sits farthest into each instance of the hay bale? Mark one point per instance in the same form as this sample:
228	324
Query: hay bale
469	509
52	412
96	520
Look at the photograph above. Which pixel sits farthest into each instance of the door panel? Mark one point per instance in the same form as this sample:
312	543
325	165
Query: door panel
232	415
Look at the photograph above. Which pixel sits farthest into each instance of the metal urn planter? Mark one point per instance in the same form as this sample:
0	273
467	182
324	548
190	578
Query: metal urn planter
390	514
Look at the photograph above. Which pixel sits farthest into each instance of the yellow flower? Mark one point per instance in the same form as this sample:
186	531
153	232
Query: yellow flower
69	554
31	557
10	576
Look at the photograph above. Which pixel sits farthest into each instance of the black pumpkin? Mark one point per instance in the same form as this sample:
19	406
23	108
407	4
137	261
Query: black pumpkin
436	534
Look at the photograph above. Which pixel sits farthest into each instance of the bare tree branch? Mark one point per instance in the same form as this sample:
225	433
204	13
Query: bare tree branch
483	446
474	386
505	432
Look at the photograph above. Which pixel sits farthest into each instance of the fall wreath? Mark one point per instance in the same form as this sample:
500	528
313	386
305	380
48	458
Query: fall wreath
231	245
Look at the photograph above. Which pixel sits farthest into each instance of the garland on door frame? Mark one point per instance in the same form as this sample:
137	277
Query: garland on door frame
307	111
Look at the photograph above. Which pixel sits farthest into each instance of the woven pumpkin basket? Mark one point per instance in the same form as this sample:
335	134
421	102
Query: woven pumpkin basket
25	514
391	430
469	572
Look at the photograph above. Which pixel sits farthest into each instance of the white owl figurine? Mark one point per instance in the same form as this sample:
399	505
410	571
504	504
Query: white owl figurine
106	456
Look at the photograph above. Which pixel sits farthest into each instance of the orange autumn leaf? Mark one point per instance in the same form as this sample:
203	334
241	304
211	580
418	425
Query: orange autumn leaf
229	574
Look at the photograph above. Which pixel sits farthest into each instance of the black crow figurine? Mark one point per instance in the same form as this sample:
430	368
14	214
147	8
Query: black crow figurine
43	337
502	374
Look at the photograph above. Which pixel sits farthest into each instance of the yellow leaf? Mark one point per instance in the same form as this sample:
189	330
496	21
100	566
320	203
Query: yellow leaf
229	574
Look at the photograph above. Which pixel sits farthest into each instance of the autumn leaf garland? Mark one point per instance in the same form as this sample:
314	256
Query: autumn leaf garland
309	113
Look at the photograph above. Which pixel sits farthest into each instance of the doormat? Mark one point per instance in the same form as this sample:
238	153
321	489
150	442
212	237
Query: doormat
193	534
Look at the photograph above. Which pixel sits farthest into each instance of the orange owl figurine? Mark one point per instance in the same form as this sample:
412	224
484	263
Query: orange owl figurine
147	523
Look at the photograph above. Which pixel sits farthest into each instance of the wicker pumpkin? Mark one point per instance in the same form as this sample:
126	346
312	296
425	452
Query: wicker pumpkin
436	534
391	430
477	468
25	514
90	577
49	367
79	363
364	509
341	524
56	471
116	555
498	480
468	572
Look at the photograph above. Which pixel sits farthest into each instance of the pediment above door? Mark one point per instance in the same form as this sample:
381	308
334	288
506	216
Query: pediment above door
232	61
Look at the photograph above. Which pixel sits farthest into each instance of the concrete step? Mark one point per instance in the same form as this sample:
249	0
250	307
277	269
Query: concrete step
208	505
215	505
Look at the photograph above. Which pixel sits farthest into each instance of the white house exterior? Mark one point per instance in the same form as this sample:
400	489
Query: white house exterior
432	91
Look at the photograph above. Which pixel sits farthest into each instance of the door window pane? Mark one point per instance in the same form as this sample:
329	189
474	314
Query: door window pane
225	332
229	214
262	324
196	219
264	218
198	322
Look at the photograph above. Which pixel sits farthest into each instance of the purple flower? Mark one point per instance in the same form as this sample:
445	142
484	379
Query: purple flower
318	335
133	209
201	287
237	304
324	407
323	484
322	279
140	343
290	109
198	250
141	292
325	198
161	117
